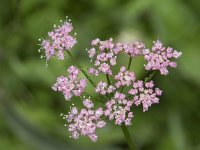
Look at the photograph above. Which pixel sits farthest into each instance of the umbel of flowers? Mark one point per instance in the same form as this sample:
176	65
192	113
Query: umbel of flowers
118	106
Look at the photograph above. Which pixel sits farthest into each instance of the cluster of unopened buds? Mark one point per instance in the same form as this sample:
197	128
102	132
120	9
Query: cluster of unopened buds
120	93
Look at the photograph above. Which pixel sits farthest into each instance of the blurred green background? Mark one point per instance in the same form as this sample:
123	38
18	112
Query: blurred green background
30	110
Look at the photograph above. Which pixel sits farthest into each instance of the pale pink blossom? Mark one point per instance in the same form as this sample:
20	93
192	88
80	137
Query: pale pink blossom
160	58
124	77
86	121
93	71
60	41
119	109
105	68
92	52
70	86
145	94
104	55
134	49
103	88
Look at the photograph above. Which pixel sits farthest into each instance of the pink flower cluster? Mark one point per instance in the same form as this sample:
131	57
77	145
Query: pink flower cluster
103	88
86	121
124	77
145	94
60	41
105	54
118	103
93	71
159	58
70	86
134	49
119	109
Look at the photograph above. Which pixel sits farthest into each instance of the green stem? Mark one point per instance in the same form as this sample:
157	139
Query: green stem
150	76
82	70
129	140
108	79
122	89
129	62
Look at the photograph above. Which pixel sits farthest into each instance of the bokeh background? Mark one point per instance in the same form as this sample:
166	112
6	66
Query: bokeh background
30	110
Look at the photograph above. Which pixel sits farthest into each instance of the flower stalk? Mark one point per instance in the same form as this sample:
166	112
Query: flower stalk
108	79
129	140
129	63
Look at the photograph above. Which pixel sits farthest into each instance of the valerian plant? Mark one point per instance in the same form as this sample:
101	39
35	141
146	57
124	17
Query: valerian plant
117	104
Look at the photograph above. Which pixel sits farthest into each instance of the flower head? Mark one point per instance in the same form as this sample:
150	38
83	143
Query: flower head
119	109
70	86
160	58
104	54
86	121
60	41
134	49
103	88
145	93
124	77
93	71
